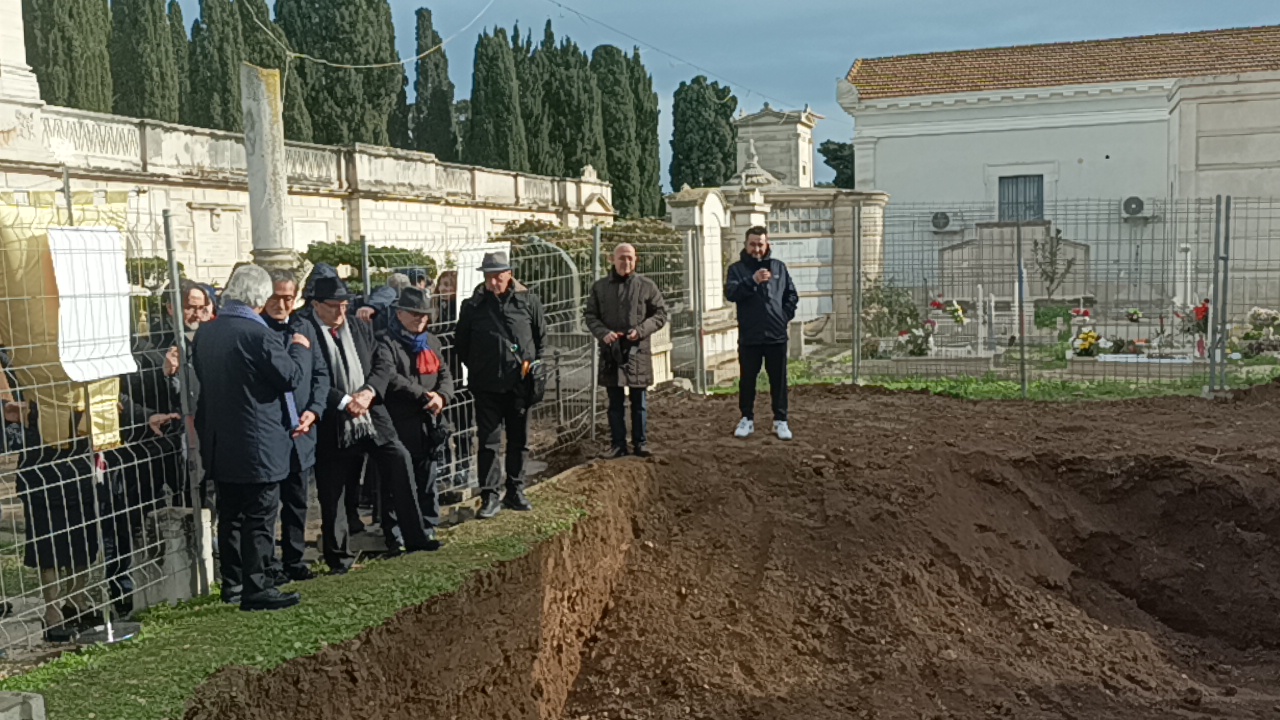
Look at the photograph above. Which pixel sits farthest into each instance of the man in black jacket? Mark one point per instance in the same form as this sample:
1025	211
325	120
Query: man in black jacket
417	394
310	398
356	426
246	417
500	335
761	287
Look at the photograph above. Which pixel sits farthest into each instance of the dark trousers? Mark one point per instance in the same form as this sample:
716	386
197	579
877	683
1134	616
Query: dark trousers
774	358
427	467
494	411
246	534
293	519
334	470
618	416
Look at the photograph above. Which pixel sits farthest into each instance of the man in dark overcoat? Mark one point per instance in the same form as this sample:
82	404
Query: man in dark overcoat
246	417
623	312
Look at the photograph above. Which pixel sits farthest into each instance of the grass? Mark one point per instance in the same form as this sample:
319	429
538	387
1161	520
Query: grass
152	676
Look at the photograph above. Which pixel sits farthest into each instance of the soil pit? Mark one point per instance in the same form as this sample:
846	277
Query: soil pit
906	556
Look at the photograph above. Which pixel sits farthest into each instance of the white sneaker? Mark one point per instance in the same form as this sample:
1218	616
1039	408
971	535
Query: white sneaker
782	429
745	428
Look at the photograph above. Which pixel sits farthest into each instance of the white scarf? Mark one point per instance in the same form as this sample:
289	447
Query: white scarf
348	376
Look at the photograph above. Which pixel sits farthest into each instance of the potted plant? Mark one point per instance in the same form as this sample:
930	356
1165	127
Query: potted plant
1134	315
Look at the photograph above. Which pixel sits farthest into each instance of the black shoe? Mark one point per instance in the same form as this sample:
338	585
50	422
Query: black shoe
301	573
231	598
617	452
339	570
492	506
86	620
61	633
271	599
515	500
432	544
355	525
642	451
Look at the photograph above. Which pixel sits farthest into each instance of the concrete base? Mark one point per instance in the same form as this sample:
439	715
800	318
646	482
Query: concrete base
21	706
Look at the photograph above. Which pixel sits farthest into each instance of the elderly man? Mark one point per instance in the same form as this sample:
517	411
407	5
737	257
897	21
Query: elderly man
500	335
246	419
376	308
310	397
623	311
761	287
356	426
417	395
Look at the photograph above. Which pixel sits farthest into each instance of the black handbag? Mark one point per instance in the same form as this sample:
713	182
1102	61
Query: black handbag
536	382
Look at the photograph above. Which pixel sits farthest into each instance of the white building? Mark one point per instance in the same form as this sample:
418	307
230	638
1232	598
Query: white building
1183	115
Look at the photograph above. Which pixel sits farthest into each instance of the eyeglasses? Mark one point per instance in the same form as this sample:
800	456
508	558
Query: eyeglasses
336	304
288	299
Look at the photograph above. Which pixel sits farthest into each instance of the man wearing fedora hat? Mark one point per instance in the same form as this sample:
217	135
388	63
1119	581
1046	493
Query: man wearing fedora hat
417	393
356	426
500	336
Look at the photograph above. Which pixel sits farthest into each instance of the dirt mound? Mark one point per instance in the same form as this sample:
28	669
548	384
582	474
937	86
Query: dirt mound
904	557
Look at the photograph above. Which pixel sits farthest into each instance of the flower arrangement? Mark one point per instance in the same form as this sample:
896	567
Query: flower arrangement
951	307
1090	344
917	342
1264	320
1080	313
1134	315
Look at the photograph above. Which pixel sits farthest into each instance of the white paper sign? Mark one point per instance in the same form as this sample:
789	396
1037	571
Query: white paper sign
93	299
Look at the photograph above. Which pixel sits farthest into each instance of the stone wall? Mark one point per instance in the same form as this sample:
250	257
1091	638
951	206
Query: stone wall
392	197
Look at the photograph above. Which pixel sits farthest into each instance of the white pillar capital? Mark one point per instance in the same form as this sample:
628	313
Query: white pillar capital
17	82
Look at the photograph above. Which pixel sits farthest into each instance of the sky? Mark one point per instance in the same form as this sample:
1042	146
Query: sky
793	53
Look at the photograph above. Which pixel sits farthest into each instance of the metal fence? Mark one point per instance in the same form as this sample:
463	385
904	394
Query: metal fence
1176	291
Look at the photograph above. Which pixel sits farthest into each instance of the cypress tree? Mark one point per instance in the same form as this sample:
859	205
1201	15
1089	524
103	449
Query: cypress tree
495	131
269	48
531	72
573	99
144	77
346	106
703	151
398	123
839	157
181	59
434	128
216	53
612	74
649	161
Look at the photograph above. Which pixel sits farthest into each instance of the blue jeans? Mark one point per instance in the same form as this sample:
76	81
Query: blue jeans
618	419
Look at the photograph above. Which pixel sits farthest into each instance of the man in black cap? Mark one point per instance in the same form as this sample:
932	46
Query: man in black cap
500	337
356	426
417	394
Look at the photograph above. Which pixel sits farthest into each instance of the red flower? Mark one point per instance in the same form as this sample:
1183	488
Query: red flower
904	333
936	305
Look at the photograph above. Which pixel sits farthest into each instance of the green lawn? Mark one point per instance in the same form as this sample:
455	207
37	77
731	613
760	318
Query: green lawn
152	676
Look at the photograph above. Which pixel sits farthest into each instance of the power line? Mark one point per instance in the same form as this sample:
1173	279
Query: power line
660	51
292	55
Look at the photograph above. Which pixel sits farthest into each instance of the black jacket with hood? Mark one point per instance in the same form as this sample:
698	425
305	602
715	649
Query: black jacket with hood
763	310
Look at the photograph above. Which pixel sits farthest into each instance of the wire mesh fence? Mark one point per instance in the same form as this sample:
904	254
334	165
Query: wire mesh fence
96	513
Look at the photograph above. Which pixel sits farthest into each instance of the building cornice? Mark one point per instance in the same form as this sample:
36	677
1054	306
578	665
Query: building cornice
998	124
852	103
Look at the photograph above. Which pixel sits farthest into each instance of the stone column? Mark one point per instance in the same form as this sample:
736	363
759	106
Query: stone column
261	99
21	129
749	209
848	207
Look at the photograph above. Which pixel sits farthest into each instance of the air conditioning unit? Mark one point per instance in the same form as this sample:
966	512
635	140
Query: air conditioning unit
947	221
1137	208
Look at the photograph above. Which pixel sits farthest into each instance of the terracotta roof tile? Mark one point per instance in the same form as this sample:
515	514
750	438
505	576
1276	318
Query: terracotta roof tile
1152	57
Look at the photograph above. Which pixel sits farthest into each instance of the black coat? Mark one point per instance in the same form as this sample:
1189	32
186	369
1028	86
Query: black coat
245	369
312	394
406	394
376	376
495	336
763	310
619	304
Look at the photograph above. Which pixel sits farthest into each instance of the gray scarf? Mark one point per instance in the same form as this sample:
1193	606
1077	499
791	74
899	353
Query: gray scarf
348	376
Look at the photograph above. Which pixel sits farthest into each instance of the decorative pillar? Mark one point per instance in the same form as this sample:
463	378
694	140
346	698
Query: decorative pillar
261	100
749	210
848	208
21	129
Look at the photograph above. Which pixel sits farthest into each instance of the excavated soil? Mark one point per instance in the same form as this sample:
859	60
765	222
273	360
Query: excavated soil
906	556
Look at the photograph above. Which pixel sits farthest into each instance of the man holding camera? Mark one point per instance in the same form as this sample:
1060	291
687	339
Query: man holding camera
624	310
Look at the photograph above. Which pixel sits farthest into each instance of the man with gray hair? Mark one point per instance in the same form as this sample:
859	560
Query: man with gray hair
246	419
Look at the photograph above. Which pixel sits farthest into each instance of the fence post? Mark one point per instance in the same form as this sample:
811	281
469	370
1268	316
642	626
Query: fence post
199	581
364	266
857	293
1221	310
595	352
693	276
559	392
1022	315
1211	323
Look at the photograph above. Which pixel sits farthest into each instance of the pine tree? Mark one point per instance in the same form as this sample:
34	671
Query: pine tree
346	106
181	59
612	74
66	43
531	72
144	77
434	128
216	53
839	157
703	150
649	161
573	101
495	131
266	46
